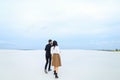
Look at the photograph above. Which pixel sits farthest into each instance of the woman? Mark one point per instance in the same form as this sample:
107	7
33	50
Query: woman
56	61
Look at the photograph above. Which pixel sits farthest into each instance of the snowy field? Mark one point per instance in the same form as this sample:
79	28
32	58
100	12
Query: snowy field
76	65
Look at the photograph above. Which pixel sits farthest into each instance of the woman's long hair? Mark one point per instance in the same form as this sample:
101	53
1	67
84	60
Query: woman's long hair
55	43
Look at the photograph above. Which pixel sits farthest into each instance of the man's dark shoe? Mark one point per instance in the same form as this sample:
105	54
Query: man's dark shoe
50	70
46	71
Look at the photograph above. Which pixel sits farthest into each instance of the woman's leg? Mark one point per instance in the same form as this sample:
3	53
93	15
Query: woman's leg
56	71
56	68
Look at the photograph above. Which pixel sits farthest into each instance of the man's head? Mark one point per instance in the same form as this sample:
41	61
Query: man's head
50	41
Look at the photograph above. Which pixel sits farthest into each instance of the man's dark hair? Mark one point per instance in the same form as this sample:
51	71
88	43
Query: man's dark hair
49	40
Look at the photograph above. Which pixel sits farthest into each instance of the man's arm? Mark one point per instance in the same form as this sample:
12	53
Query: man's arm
46	48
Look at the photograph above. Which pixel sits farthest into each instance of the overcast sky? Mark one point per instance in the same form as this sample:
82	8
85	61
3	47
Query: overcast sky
75	24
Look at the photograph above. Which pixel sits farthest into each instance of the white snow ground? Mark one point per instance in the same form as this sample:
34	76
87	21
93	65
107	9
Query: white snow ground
76	65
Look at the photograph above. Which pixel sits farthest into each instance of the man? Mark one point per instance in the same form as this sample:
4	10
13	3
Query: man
48	55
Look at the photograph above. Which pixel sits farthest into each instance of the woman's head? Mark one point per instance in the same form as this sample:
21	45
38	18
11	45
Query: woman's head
55	43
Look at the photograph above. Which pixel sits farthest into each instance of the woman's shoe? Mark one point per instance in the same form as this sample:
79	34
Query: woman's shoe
56	76
54	72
